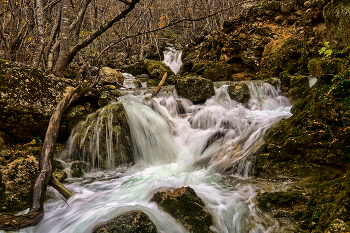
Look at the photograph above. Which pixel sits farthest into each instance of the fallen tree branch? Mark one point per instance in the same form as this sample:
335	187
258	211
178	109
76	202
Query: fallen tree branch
155	91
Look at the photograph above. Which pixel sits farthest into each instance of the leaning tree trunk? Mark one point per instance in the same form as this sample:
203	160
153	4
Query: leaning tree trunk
45	177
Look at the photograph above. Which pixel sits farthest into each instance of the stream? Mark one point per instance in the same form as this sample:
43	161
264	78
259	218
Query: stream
176	144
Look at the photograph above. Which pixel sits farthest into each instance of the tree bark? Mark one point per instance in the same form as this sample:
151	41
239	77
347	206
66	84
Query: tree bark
62	61
40	28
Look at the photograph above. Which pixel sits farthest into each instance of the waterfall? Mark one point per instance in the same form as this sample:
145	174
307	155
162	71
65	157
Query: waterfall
176	144
172	58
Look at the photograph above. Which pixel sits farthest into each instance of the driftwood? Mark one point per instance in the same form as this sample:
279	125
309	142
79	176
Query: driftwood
36	213
155	91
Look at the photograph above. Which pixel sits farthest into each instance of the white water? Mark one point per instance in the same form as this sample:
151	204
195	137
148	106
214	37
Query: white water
172	58
173	150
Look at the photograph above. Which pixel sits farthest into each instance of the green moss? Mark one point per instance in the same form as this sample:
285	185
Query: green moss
184	205
317	67
218	71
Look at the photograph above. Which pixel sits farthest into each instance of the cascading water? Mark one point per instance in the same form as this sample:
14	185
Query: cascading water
178	144
172	58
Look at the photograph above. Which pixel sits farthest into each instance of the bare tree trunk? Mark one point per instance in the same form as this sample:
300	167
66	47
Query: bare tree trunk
62	61
40	28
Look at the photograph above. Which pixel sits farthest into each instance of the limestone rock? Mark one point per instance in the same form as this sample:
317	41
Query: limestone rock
195	88
338	226
110	76
130	222
156	69
27	99
16	181
79	168
184	205
239	92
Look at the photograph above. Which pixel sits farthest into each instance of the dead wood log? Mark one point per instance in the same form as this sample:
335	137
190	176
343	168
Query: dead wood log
155	91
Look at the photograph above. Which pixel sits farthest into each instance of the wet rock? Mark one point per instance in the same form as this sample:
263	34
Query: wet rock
157	69
110	76
60	175
58	164
184	205
130	222
79	168
16	181
195	88
103	139
105	98
239	92
142	77
27	100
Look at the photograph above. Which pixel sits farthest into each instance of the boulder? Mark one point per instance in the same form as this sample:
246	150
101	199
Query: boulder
337	16
130	222
27	99
103	139
79	168
110	76
195	88
156	69
184	205
239	92
317	67
16	181
61	175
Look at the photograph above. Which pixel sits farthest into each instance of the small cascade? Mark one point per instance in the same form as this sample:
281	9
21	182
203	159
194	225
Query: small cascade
149	132
175	143
312	81
172	58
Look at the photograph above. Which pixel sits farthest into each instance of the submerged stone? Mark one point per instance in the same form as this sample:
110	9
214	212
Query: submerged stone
184	205
130	222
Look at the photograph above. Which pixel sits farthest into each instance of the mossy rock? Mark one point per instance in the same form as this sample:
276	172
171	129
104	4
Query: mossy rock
130	222
111	117
282	200
285	78
317	67
28	98
157	69
16	184
328	209
315	137
110	76
60	175
299	85
184	205
78	169
195	88
218	71
337	16
239	92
